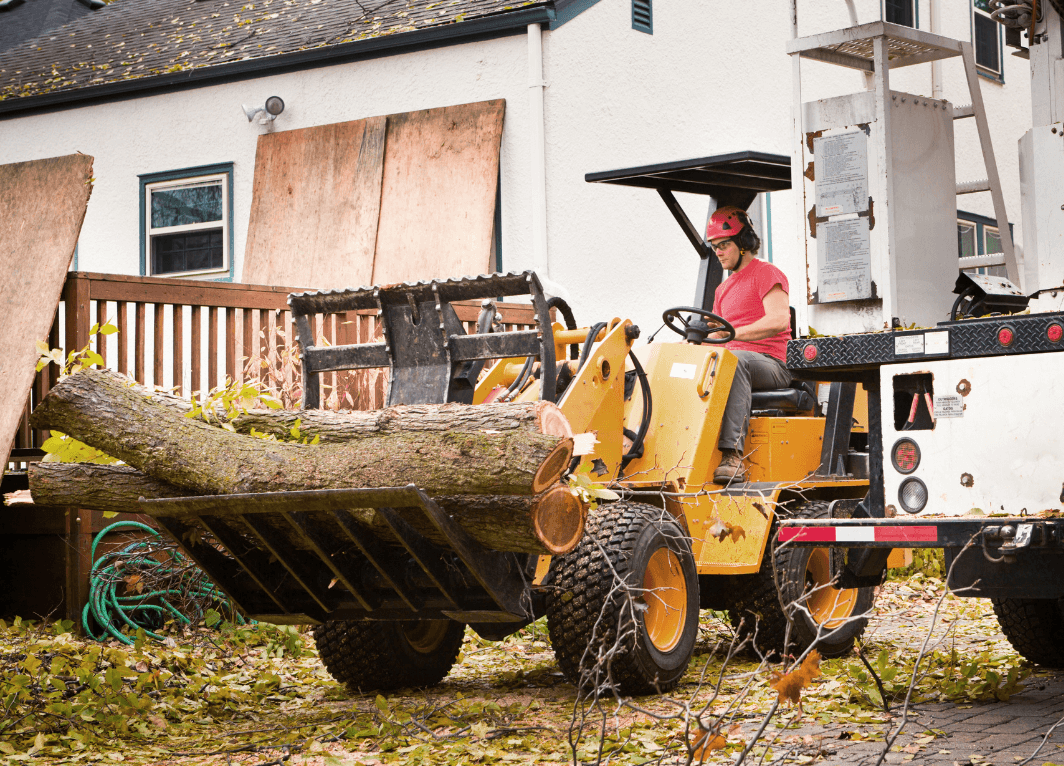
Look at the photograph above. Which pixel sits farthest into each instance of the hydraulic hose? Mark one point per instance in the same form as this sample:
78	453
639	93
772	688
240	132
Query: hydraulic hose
648	410
570	320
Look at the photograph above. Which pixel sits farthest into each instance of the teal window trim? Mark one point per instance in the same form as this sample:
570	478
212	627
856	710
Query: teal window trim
981	222
643	16
220	168
989	74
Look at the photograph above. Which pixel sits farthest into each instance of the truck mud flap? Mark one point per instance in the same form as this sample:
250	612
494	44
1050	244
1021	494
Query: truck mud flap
324	562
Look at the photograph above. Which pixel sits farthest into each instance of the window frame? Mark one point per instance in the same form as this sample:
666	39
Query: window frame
913	4
152	181
982	225
985	71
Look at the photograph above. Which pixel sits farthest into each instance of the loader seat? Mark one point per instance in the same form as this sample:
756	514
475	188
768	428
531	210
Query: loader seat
801	397
784	400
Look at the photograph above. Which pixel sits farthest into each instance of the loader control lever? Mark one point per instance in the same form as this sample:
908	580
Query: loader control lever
699	328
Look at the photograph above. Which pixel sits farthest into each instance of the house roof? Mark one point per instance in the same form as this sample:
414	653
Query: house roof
21	21
134	45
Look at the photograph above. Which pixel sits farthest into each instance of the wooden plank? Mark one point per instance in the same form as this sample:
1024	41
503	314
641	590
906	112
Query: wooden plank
248	374
123	338
42	207
178	341
315	205
196	351
212	348
140	341
157	351
230	344
441	168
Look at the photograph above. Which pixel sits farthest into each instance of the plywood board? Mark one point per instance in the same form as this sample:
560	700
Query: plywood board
441	169
42	207
315	204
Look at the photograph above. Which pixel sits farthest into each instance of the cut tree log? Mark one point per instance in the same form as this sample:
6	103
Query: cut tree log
501	486
334	427
107	411
549	523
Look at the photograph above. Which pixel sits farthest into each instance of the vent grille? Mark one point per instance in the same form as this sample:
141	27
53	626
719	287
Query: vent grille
643	16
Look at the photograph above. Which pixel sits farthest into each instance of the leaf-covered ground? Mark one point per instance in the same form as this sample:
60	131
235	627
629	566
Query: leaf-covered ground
259	695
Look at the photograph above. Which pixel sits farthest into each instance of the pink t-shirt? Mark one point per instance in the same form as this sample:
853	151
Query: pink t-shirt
740	300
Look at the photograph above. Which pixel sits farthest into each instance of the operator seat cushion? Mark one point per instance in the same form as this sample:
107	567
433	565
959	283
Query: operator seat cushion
797	399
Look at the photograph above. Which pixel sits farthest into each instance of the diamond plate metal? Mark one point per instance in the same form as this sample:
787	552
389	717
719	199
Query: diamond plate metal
969	338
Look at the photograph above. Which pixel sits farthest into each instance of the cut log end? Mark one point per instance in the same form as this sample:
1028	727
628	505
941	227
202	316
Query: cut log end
558	519
552	468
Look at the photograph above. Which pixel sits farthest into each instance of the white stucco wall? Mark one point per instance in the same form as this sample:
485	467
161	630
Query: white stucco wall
713	78
207	125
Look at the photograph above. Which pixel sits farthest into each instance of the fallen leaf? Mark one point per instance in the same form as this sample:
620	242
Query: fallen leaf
737	532
790	686
141	667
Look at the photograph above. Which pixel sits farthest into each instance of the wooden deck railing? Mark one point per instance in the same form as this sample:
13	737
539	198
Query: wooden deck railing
190	335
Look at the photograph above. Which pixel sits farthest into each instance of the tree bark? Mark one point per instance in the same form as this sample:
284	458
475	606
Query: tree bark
106	411
548	523
347	425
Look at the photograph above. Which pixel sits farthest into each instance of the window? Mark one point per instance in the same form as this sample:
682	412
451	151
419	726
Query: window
986	38
979	235
186	222
643	16
901	12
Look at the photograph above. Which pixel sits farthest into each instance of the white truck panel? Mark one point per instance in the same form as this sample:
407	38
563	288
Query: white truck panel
1006	437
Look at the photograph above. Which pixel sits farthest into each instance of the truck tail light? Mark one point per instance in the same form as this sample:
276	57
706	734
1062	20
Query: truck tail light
1005	336
1054	333
912	494
905	455
810	352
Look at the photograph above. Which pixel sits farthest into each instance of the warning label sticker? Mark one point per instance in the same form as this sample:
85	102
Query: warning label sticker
949	406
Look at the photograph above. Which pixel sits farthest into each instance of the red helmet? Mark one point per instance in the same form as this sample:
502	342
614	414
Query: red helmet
725	222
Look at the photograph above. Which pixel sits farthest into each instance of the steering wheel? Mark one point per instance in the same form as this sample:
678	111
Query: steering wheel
697	331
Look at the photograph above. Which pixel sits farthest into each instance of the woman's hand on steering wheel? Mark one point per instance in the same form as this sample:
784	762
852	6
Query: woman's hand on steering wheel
698	331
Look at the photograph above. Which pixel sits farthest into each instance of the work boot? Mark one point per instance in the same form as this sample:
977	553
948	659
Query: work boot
731	468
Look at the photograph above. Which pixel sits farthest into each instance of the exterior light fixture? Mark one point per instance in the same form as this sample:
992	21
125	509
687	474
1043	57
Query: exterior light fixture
267	113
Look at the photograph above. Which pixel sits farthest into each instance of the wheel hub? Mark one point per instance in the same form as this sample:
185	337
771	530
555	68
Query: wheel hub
665	596
829	606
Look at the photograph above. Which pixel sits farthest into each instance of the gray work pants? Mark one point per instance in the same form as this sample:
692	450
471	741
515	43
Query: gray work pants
755	372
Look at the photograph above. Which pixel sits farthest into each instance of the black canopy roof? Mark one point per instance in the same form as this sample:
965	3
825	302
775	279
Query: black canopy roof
731	179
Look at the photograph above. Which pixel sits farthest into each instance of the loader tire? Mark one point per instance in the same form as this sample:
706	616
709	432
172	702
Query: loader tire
623	612
828	618
388	654
1034	627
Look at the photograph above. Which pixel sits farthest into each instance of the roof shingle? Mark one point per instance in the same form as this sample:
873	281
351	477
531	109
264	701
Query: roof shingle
134	39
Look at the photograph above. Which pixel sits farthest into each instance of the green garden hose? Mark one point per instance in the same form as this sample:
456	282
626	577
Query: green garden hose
160	584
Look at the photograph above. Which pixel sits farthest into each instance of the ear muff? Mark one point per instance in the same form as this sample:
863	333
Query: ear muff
747	239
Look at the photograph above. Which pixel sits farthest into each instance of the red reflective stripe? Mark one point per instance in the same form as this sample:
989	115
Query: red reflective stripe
808	534
902	534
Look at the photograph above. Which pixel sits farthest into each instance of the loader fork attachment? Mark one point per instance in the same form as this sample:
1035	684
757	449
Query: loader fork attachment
431	357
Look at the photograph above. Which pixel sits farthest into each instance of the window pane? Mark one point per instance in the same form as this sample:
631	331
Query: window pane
182	205
192	251
991	240
983	5
986	43
900	12
965	239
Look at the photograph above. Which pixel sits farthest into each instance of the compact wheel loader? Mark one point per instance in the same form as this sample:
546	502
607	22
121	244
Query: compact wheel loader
391	593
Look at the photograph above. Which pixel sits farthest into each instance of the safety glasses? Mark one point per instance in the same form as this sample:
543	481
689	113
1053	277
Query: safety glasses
719	246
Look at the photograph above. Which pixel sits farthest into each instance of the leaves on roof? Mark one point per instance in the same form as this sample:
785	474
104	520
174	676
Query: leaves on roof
135	39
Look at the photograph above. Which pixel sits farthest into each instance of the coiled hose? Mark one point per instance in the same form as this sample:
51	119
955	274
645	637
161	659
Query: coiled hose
160	583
